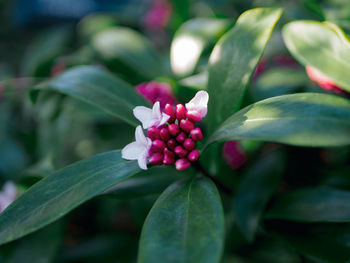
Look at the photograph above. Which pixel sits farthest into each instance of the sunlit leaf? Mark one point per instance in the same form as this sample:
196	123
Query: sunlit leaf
305	119
234	59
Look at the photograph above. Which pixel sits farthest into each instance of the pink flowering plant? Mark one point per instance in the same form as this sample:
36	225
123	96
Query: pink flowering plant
208	150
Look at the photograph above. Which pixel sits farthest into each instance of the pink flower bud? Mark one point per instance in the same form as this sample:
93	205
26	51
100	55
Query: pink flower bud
193	156
189	144
169	157
156	159
180	112
171	144
182	164
233	154
158	145
181	137
196	134
153	133
170	111
173	129
180	151
194	116
186	125
164	134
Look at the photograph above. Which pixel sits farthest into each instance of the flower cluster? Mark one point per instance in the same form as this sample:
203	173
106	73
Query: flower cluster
171	135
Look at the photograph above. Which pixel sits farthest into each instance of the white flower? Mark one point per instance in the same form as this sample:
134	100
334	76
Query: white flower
199	103
139	149
7	195
151	117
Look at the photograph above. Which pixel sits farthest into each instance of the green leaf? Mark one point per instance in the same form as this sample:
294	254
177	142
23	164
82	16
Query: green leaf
152	181
99	88
234	59
57	194
185	225
305	119
320	204
253	193
278	81
127	46
326	243
190	41
321	45
44	49
39	247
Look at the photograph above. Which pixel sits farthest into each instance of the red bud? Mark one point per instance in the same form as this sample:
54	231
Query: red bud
189	144
180	112
193	156
186	125
196	134
156	159
182	164
170	111
173	129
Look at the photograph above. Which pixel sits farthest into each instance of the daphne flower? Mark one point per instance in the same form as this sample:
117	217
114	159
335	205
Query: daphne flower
199	103
138	150
7	195
151	117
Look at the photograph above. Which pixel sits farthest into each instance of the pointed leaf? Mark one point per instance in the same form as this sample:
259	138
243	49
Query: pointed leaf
321	45
57	194
305	119
100	88
185	225
234	59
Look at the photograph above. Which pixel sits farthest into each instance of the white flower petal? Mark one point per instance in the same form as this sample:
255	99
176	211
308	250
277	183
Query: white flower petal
156	111
132	151
145	116
199	103
164	119
140	136
142	160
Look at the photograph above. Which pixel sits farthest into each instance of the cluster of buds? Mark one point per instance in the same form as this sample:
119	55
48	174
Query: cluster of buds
171	135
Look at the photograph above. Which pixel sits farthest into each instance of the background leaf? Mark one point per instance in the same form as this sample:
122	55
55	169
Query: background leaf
326	243
320	45
234	59
190	41
256	188
44	49
306	119
127	46
320	204
57	194
99	88
186	224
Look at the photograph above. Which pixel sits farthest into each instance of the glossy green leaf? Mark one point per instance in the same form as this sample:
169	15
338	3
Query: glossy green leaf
234	59
57	194
98	87
185	225
127	46
321	204
152	181
305	119
253	193
326	243
190	41
43	50
320	45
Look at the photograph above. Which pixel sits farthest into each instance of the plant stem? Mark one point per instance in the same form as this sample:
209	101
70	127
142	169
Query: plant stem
218	183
